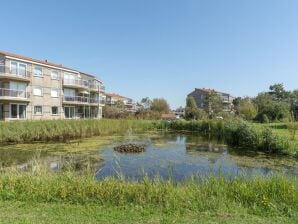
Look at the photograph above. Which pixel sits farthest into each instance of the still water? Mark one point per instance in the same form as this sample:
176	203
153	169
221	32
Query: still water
176	156
181	157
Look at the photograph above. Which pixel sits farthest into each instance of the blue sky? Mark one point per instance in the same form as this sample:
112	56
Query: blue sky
161	48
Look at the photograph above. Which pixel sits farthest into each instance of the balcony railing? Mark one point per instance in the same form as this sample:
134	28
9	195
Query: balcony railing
76	82
14	93
97	87
83	99
20	73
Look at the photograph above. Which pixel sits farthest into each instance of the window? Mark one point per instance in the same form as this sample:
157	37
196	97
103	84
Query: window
37	91
54	110
54	92
13	111
18	86
38	110
69	76
69	92
22	69
18	68
69	112
38	71
1	112
22	111
18	111
14	67
55	74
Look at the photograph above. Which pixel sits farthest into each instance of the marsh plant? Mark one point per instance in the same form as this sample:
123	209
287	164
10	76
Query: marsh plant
236	132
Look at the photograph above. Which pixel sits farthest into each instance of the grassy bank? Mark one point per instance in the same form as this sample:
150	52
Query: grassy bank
260	198
48	213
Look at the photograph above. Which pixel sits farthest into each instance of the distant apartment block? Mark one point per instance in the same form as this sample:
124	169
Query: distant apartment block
36	89
200	95
112	98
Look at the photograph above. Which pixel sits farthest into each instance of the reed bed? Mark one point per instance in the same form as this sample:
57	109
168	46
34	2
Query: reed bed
234	132
272	195
63	130
239	133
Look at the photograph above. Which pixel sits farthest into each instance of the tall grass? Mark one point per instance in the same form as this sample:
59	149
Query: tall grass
62	130
234	132
272	195
238	133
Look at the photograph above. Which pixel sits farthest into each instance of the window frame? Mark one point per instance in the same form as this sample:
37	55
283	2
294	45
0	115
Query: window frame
35	75
69	110
34	87
18	110
57	93
18	68
58	75
52	111
34	112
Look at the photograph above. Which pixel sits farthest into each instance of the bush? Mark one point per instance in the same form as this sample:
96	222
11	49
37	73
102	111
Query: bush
272	143
239	133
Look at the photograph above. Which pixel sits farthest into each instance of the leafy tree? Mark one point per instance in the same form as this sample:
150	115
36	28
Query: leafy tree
120	105
160	105
192	111
214	103
278	92
247	109
146	102
274	109
294	104
236	102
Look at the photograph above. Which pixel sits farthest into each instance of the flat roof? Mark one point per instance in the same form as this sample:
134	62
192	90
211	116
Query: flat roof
44	62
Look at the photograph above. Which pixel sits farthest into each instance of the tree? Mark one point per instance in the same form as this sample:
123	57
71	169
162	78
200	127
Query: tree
214	103
146	102
247	109
192	111
278	92
120	105
160	105
294	104
236	102
273	109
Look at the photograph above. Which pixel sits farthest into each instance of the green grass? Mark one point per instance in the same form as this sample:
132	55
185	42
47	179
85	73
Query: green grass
47	213
275	196
43	197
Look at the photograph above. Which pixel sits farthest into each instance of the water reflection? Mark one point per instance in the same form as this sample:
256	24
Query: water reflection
176	156
183	156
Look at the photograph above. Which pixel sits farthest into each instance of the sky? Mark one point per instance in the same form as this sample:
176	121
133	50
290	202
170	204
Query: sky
161	48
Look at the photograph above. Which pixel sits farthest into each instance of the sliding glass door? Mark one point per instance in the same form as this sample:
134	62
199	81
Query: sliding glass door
69	112
18	111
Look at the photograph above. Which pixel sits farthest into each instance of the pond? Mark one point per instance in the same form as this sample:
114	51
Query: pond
166	155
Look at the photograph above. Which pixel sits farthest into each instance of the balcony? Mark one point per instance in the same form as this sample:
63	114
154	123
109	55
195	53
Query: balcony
14	95
14	74
82	100
76	83
128	102
94	87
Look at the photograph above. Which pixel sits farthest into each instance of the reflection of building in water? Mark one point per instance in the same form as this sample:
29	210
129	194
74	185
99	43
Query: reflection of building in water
196	146
206	147
57	163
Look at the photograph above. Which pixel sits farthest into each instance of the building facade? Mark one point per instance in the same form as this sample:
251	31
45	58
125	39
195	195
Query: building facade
32	89
200	95
112	98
